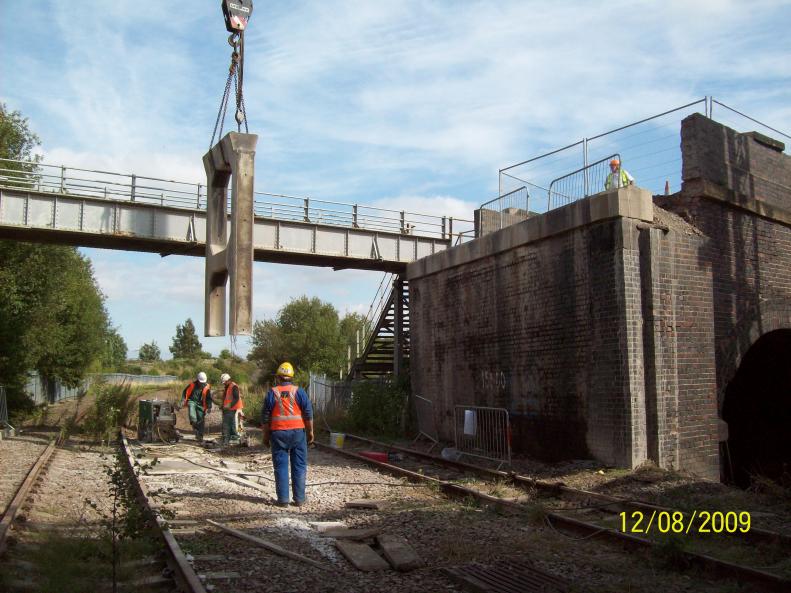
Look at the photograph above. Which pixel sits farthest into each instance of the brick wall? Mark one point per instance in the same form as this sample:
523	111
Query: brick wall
737	191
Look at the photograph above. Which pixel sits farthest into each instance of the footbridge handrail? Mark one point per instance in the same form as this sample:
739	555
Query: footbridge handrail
76	181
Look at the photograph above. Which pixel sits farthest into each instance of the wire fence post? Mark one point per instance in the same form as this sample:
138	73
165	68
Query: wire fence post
134	186
585	165
307	209
62	179
197	203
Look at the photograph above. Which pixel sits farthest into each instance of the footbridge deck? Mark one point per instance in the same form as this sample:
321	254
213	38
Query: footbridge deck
58	204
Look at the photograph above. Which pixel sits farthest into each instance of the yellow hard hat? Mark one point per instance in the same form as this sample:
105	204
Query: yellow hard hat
285	370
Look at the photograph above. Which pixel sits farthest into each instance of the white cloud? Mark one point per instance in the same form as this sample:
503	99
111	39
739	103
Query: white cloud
406	104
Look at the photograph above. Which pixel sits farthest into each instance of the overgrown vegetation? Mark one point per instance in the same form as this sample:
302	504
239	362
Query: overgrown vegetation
52	315
111	409
378	408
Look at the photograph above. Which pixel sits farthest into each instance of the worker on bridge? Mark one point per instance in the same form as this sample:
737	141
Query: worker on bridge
287	422
197	397
618	177
232	406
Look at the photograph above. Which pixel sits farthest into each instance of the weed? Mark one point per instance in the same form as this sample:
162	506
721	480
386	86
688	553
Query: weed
535	514
671	553
111	410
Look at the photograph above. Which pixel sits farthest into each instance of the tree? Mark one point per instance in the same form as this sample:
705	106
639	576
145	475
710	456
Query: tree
52	315
307	333
150	352
114	349
186	343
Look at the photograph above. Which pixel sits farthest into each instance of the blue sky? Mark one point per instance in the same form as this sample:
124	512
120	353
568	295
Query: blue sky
404	104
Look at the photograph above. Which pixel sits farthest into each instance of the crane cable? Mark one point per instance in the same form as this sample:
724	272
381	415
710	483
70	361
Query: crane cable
235	74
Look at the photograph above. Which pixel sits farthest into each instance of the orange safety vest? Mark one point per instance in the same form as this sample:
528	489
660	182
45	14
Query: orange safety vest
286	415
191	388
226	402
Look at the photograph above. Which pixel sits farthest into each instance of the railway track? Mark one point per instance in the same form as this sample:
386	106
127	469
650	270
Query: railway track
588	514
58	514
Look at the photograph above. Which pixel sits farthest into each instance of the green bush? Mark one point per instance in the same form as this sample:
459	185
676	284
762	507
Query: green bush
111	409
378	408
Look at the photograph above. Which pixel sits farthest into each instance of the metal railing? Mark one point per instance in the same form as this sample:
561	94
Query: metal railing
424	410
77	182
651	146
483	432
580	184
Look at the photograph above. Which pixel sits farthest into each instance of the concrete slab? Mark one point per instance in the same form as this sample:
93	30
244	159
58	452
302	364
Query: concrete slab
399	553
362	556
171	465
322	526
355	534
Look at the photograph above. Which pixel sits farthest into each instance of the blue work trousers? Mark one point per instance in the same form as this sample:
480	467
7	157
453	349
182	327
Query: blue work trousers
289	446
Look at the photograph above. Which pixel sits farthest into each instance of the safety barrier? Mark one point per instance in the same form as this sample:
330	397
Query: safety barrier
581	183
328	397
503	211
424	410
3	409
483	432
651	146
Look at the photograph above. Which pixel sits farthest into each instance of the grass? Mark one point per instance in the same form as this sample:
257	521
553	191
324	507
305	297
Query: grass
75	565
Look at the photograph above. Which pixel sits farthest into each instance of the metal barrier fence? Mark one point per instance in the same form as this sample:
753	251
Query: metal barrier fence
3	409
651	146
504	211
326	396
106	185
483	432
43	391
424	410
580	183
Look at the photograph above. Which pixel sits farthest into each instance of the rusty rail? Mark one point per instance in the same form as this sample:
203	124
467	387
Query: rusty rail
718	568
182	570
22	494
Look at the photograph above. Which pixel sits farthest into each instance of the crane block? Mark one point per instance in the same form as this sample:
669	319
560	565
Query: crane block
231	159
237	13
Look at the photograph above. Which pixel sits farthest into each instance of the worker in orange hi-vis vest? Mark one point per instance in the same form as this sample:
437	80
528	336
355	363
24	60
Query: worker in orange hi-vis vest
287	422
197	397
231	405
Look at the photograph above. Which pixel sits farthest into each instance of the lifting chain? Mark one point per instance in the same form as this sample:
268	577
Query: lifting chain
235	74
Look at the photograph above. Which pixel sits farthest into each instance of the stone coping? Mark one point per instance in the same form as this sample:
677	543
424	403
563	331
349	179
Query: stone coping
628	202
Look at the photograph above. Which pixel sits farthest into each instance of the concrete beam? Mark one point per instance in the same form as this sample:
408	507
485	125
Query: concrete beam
231	159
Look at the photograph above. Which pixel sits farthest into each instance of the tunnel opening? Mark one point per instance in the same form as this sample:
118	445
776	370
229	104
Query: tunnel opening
757	408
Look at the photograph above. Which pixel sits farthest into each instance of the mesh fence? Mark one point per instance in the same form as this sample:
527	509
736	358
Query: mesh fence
44	391
650	151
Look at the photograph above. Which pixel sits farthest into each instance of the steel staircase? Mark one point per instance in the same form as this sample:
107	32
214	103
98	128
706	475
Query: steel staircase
381	355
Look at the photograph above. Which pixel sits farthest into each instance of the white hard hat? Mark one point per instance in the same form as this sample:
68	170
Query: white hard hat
202	377
225	377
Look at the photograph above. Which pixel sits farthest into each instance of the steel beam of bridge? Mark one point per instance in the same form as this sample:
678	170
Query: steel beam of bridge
31	209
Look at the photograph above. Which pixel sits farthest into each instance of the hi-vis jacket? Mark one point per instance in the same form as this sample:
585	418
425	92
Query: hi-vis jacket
286	414
613	180
227	402
203	396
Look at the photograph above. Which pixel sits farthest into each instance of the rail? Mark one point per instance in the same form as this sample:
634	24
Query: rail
183	570
721	569
75	181
21	495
